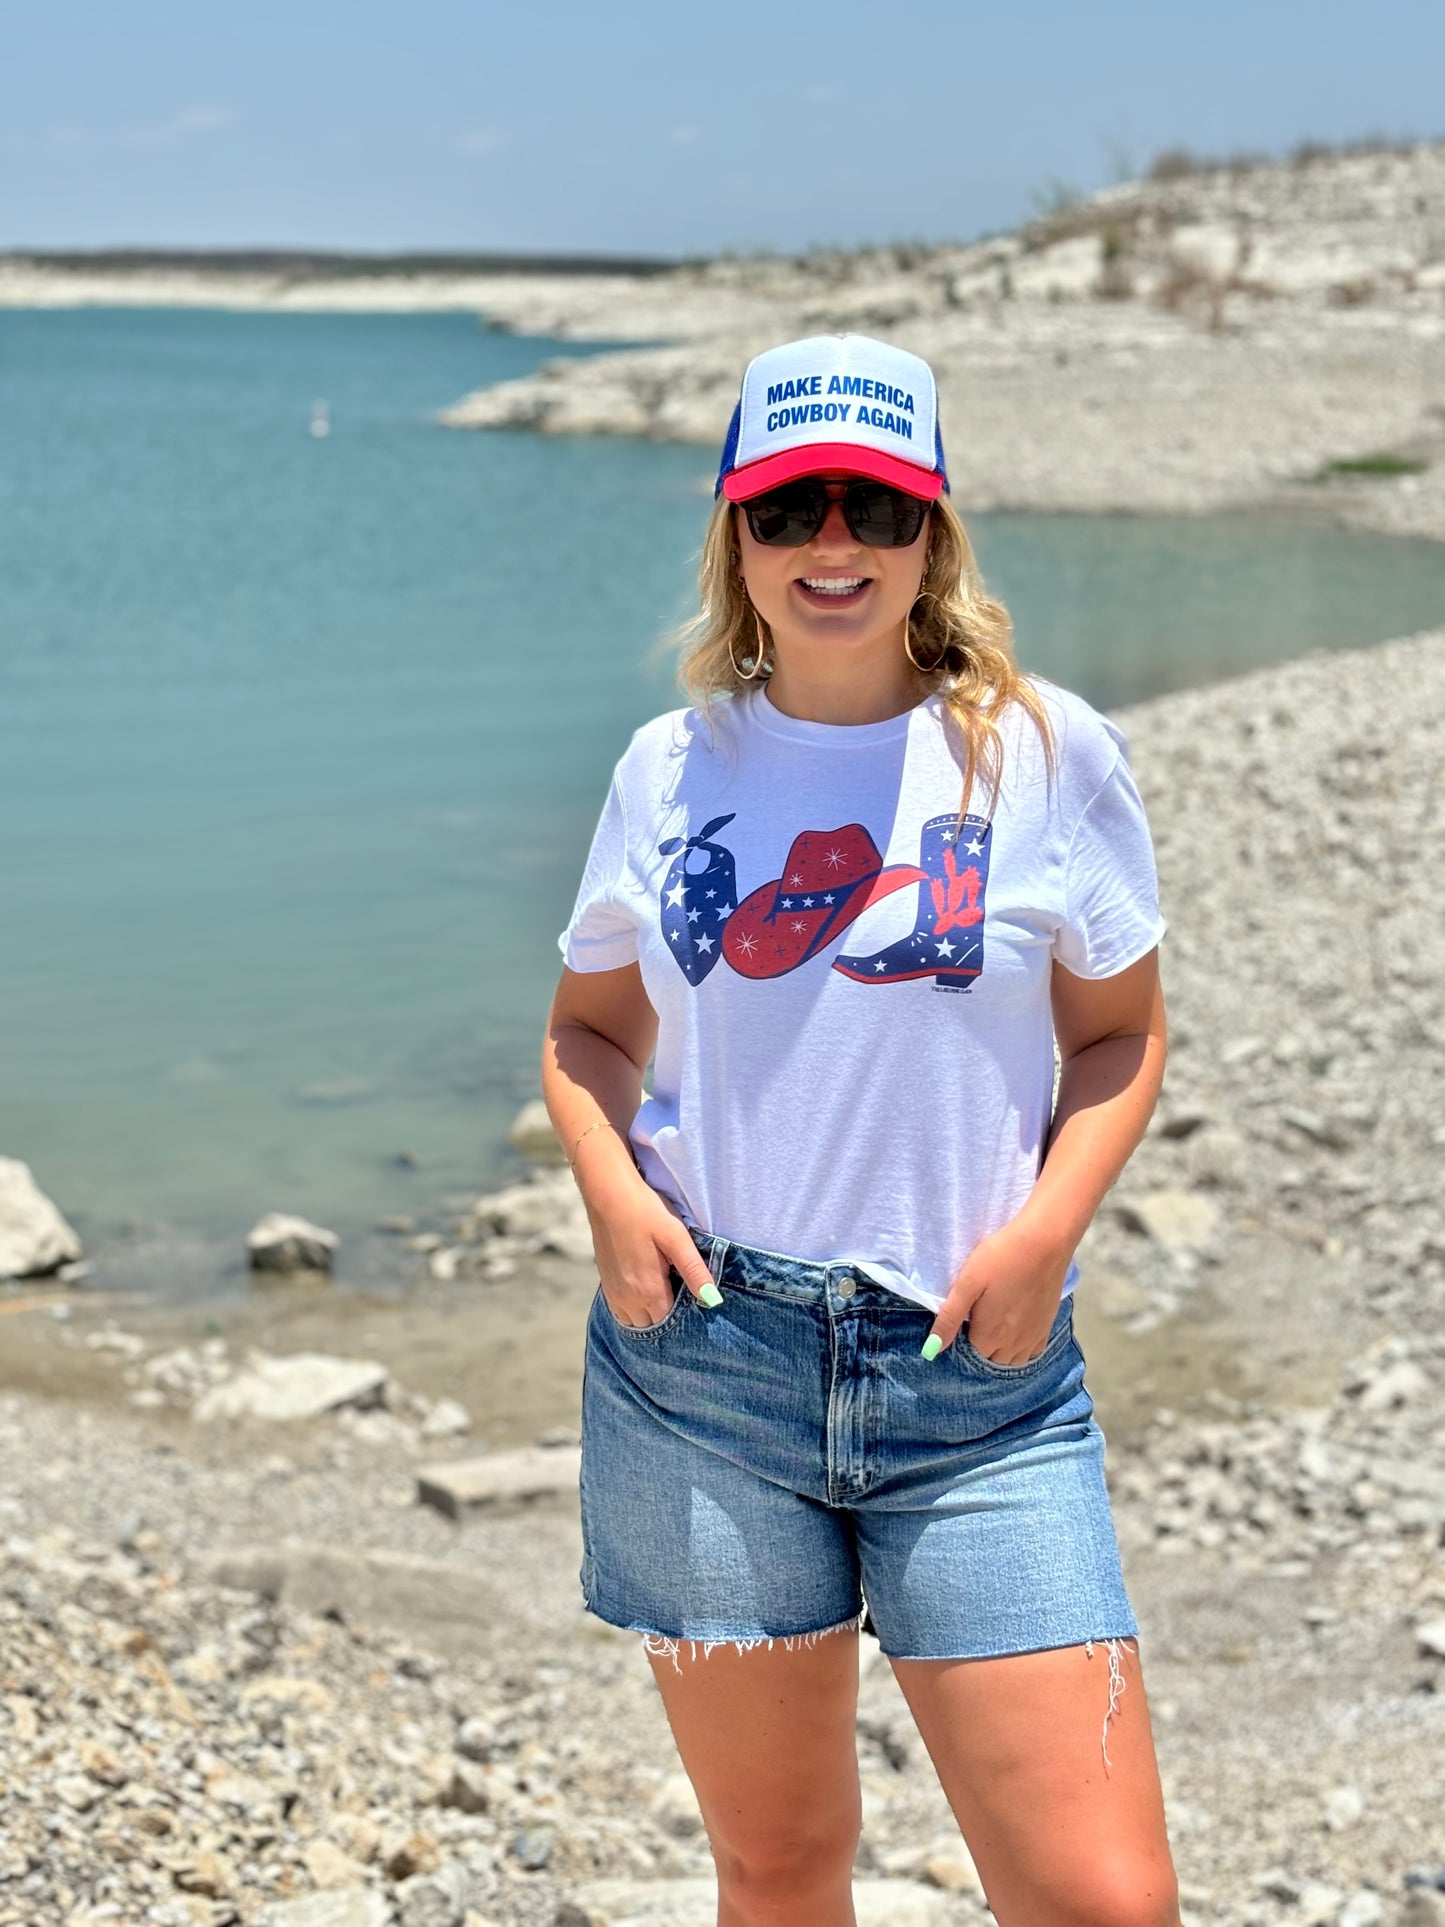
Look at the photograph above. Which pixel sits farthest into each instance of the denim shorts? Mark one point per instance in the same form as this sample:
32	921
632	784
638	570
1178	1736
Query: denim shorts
787	1463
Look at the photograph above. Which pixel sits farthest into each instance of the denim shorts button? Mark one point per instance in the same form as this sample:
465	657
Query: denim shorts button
847	1287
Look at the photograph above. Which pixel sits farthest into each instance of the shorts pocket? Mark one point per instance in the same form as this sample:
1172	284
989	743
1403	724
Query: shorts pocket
1060	1337
673	1316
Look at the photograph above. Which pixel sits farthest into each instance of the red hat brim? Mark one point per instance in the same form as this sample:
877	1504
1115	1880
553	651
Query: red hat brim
854	457
759	943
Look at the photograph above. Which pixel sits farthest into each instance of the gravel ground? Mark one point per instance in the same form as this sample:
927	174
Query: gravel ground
413	1716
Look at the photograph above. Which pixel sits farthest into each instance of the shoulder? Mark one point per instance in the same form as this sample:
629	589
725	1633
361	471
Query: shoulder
1088	743
659	741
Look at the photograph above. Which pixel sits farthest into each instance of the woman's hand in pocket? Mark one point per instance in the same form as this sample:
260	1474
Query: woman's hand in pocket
1008	1292
637	1236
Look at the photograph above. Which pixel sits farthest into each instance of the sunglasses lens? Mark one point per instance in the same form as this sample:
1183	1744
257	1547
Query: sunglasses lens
788	517
883	517
879	516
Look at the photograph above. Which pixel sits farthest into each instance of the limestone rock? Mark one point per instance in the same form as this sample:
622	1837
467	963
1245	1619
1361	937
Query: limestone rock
544	1199
1397	1384
469	1788
1177	1220
433	1899
298	1385
1364	1909
279	1242
951	1868
279	1689
446	1418
569	1238
404	1853
347	1907
676	1809
448	1605
34	1237
531	1132
476	1738
1205	248
330	1867
530	1472
1343	1807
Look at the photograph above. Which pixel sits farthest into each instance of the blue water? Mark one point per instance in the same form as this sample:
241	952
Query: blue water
303	741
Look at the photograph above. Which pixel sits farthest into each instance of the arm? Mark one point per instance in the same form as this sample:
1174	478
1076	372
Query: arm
1112	1040
600	1034
601	1031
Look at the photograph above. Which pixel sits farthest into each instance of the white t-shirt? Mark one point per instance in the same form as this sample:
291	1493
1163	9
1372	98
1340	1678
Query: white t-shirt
855	1055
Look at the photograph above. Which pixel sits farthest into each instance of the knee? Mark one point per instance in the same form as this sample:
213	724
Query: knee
787	1858
1124	1894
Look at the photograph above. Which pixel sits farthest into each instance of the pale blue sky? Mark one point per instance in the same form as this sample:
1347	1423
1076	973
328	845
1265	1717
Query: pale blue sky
651	128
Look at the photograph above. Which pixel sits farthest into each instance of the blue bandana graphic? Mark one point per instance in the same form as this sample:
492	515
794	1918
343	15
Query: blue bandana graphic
696	904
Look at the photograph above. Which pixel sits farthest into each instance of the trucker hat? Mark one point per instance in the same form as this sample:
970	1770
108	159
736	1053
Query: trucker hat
834	401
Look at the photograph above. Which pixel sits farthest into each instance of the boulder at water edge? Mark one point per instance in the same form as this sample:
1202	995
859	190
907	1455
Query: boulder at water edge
278	1242
34	1238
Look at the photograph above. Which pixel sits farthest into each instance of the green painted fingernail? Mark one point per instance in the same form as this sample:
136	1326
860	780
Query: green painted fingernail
710	1295
932	1345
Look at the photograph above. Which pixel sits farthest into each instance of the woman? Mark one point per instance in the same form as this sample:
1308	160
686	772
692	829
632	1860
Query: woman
831	1381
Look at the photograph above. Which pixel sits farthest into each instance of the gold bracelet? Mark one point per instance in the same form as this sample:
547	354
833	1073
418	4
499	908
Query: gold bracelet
580	1135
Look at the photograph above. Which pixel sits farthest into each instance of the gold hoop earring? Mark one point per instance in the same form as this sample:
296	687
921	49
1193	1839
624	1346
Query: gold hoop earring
750	675
934	666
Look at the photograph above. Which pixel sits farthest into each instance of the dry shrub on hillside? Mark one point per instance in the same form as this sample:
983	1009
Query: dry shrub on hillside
1192	294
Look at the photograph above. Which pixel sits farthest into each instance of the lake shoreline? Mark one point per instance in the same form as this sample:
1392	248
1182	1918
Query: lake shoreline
1235	337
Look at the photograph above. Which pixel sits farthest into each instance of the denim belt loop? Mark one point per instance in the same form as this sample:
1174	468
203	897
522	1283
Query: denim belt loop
716	1258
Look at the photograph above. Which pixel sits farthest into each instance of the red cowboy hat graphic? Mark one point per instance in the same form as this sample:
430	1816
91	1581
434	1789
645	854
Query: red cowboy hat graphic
829	880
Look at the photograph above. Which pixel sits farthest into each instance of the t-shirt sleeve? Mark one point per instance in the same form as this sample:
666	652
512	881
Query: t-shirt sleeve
601	933
1111	886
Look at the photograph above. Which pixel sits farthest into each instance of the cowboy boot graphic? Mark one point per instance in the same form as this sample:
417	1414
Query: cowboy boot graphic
697	903
946	942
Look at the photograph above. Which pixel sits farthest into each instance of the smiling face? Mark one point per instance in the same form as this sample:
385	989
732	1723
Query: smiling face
834	592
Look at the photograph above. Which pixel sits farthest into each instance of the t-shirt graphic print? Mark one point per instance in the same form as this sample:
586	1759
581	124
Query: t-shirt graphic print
855	1051
829	879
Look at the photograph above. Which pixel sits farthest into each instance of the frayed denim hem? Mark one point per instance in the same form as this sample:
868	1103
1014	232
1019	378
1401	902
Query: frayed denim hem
664	1646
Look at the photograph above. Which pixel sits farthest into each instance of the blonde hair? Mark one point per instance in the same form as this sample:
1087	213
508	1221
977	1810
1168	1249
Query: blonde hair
963	635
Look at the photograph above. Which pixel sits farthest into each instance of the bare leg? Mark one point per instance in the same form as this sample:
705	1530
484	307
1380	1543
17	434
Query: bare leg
767	1738
1057	1832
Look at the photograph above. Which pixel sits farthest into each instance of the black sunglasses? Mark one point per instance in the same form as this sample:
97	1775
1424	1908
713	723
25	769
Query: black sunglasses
878	516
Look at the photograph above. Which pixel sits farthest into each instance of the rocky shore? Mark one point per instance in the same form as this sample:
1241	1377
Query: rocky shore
1224	337
333	1671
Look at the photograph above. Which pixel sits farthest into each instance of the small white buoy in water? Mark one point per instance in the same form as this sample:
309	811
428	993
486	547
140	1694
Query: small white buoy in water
320	420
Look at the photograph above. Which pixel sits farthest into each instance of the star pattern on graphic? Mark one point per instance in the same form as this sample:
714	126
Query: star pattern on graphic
701	943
